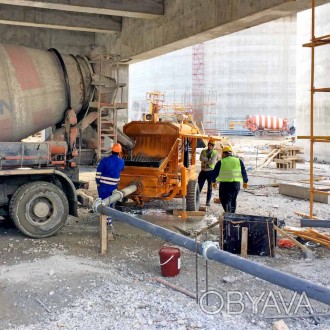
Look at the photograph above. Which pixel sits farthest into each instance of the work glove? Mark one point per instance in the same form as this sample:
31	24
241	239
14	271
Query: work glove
214	185
245	185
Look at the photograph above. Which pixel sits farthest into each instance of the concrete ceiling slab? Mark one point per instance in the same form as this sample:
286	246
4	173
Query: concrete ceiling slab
189	22
142	29
55	19
125	8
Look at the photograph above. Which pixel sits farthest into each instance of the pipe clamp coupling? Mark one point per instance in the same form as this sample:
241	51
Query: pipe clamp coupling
96	204
120	193
206	245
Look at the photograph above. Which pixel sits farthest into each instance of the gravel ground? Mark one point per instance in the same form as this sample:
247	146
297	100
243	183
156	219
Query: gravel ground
63	283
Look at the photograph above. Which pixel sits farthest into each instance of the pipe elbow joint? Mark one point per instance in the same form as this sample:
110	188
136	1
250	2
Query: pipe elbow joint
206	245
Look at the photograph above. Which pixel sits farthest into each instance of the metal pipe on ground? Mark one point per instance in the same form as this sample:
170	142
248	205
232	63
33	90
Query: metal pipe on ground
315	223
211	252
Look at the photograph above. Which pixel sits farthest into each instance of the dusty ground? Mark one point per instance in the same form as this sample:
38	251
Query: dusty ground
63	283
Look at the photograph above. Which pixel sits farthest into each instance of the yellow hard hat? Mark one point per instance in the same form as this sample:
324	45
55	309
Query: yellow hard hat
116	148
226	149
212	141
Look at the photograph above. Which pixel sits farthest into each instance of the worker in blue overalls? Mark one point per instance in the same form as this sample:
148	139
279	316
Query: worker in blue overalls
108	174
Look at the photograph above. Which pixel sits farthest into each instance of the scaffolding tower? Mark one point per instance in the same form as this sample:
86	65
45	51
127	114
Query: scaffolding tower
198	82
210	115
315	42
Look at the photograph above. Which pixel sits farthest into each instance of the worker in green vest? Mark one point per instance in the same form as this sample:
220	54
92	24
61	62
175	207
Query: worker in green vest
230	172
208	159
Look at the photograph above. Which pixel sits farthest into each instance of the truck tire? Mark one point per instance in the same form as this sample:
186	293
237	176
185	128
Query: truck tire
192	196
39	209
257	133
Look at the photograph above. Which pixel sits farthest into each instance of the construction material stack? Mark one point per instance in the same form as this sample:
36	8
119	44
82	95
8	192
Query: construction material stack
287	156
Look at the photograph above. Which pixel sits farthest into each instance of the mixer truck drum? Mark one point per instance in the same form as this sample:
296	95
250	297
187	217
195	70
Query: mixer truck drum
65	74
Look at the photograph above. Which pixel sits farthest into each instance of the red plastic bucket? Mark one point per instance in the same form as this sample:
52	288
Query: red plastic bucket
169	261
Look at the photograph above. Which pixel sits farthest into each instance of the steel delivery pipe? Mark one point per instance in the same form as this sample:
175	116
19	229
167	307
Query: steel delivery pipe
211	252
124	140
118	195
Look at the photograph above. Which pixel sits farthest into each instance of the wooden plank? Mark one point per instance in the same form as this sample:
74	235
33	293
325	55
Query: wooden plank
282	161
244	242
176	287
291	158
221	227
318	234
189	213
269	158
280	325
310	234
307	216
103	235
310	238
182	231
302	246
208	227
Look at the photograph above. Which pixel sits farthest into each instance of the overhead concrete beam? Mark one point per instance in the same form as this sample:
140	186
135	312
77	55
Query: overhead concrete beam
125	8
54	19
188	22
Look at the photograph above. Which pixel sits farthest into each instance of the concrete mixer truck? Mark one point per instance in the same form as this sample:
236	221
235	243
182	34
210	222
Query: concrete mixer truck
265	125
41	89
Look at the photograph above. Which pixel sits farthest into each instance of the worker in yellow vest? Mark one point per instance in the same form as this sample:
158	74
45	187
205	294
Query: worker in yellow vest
230	172
208	159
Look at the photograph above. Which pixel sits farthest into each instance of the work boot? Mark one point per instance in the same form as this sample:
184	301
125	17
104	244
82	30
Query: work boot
109	221
111	233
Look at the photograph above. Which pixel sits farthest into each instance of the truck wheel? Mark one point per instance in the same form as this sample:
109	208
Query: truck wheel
39	209
192	196
257	133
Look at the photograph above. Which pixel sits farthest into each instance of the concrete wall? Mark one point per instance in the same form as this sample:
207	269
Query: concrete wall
322	79
248	72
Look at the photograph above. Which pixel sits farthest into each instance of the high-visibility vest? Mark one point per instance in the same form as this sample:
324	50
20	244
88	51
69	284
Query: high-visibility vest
230	170
204	154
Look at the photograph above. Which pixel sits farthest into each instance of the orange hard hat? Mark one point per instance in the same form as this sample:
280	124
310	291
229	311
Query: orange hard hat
212	141
117	148
226	149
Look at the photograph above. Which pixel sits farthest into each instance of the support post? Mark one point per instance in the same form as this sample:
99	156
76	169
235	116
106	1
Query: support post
244	242
103	234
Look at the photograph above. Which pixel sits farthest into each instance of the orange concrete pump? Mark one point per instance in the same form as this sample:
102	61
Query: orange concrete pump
163	161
